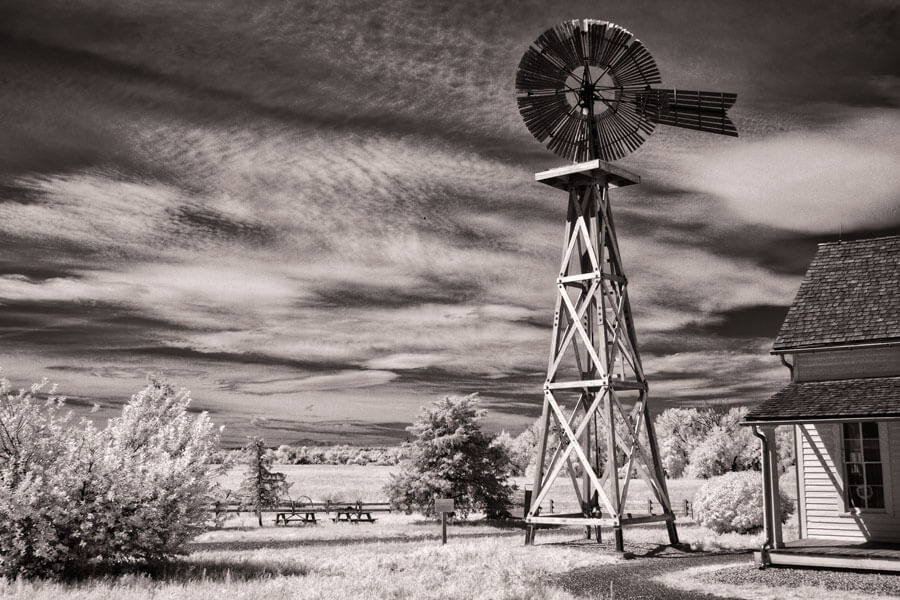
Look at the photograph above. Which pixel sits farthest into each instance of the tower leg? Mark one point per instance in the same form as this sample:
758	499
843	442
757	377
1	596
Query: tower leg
660	474
673	533
620	542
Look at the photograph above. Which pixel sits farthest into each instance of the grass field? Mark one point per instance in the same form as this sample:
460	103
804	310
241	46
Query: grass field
400	556
353	482
327	482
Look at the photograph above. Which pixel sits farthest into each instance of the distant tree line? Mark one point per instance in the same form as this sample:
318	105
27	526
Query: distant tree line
328	455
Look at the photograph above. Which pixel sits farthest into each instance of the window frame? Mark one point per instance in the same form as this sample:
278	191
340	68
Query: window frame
884	450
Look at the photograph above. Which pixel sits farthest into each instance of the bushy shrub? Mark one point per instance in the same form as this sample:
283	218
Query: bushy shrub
72	495
451	457
734	502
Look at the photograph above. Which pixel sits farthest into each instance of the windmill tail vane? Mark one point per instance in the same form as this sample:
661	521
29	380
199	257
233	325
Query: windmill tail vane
702	111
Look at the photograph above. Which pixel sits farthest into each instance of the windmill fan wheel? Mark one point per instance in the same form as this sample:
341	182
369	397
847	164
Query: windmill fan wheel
582	87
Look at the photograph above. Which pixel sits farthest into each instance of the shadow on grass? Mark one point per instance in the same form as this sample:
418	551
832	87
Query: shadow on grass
648	550
236	546
494	523
183	571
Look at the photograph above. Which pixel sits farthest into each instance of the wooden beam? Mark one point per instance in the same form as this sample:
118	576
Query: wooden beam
586	384
647	519
564	177
575	519
790	559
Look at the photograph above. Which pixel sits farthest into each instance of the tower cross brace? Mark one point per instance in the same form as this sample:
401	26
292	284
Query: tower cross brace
595	369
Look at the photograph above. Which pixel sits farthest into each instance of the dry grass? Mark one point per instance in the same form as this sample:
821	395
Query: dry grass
467	568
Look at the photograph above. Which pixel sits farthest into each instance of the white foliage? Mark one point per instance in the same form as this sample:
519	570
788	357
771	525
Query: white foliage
72	495
734	503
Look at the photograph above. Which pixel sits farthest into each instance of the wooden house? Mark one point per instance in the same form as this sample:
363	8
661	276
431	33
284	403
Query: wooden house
841	342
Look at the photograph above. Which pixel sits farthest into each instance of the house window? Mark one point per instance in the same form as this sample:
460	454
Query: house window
862	458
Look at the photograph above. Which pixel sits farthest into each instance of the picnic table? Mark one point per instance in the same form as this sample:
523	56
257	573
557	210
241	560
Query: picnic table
350	514
301	511
305	517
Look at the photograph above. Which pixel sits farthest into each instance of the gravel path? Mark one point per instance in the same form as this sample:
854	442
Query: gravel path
845	581
633	579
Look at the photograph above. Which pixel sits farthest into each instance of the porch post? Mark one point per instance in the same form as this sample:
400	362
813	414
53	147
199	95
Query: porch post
770	472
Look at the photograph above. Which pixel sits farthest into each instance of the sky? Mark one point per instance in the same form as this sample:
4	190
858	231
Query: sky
321	216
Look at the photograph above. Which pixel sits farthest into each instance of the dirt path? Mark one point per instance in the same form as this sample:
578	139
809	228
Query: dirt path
633	579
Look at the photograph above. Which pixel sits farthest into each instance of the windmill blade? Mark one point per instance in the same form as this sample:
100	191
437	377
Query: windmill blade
701	111
543	112
555	85
633	66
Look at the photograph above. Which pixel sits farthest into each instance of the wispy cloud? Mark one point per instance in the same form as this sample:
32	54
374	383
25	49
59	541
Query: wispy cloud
811	181
280	204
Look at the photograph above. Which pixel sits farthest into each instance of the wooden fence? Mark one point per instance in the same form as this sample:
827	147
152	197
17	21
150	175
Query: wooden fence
516	509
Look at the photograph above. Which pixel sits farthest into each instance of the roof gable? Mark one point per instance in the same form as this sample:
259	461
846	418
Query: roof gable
850	294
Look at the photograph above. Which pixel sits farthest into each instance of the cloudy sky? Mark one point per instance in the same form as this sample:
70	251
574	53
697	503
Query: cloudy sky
319	216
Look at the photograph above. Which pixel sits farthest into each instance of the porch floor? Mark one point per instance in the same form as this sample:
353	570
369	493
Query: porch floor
836	554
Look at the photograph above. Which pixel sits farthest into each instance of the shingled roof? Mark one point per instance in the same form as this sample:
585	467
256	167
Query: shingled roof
872	397
849	295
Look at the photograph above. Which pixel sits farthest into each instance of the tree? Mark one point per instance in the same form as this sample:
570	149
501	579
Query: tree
73	496
520	449
679	432
261	487
727	447
784	436
451	457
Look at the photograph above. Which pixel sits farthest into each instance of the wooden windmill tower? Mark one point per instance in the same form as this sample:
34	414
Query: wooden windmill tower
584	87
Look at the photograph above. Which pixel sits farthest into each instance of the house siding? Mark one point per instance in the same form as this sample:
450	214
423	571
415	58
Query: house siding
821	499
825	365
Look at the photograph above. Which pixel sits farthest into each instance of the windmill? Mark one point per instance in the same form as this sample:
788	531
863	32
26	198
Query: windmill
585	87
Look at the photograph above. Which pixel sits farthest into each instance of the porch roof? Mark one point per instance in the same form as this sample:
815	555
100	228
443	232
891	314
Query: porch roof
873	397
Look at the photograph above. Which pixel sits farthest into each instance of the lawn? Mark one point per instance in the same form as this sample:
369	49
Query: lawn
400	556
